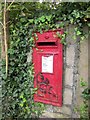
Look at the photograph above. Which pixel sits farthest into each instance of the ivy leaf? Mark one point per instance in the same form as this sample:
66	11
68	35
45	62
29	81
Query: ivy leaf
78	32
82	82
71	20
22	19
21	96
42	19
24	100
36	21
48	17
57	25
35	89
11	51
58	34
31	39
86	94
78	15
31	20
82	38
21	104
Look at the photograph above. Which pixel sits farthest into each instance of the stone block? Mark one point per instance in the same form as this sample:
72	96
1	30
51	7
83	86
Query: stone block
64	110
67	96
69	77
52	115
29	56
83	62
70	54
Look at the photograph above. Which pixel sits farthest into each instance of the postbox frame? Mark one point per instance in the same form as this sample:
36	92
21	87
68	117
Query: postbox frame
38	52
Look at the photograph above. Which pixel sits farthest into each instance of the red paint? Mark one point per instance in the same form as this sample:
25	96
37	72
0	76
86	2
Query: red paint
49	83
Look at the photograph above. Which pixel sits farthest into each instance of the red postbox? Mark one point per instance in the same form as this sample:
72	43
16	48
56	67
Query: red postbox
47	59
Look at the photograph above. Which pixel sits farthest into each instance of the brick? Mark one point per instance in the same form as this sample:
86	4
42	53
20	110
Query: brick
69	76
70	54
67	96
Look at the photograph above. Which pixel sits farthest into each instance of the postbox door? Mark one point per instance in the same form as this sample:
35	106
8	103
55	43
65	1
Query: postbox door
48	77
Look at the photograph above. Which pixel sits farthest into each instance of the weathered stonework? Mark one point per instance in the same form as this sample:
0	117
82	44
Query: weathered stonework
70	54
67	96
83	68
69	77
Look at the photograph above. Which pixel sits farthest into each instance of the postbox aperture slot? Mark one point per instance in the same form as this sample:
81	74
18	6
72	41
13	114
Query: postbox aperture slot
46	44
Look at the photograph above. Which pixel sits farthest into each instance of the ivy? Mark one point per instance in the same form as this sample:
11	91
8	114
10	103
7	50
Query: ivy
25	20
19	83
83	109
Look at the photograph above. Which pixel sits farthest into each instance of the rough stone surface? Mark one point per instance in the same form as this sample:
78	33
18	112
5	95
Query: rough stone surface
70	53
67	96
51	115
69	77
29	56
82	69
64	110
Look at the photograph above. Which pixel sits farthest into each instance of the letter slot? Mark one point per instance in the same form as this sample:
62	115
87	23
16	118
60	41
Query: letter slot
46	44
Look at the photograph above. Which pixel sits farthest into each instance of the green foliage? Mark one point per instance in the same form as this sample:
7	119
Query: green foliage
83	110
86	91
62	37
18	95
82	83
24	20
86	94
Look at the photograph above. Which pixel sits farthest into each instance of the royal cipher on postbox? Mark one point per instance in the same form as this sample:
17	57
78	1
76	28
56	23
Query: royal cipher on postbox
48	66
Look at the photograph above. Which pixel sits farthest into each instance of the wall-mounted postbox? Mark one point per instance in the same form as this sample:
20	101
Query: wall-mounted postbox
47	59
